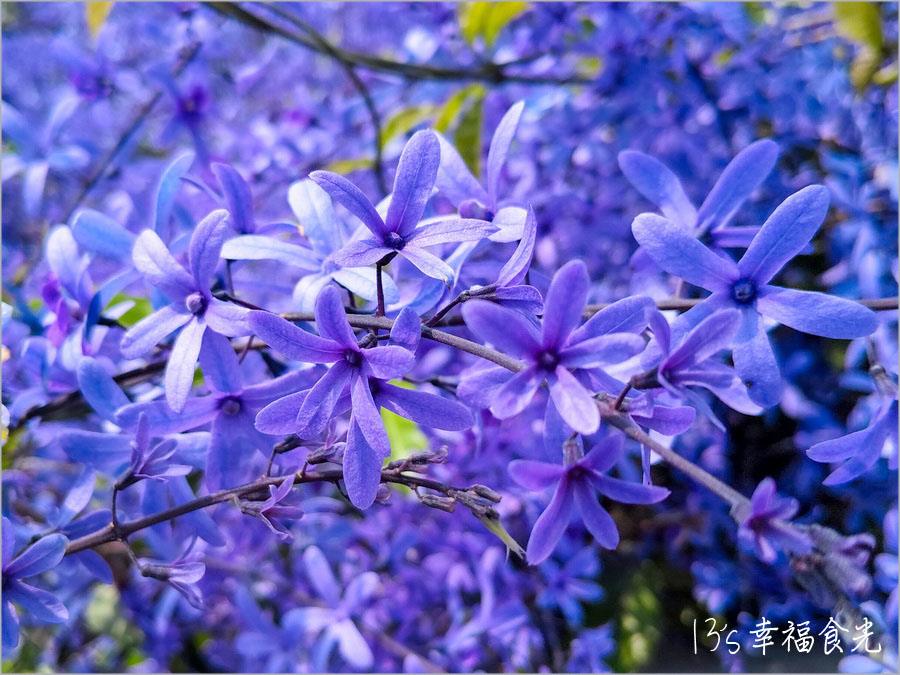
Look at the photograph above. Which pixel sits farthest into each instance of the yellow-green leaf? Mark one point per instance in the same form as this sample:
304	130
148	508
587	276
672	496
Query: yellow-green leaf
345	166
140	308
859	22
496	528
487	19
405	120
95	14
468	137
451	109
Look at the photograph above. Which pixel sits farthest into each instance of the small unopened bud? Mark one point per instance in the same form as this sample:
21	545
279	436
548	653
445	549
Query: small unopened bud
443	503
487	493
383	496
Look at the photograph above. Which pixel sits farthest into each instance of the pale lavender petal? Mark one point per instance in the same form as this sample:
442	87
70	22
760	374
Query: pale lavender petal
502	139
515	394
308	288
740	178
319	572
838	449
389	361
344	192
785	233
446	231
97	232
37	603
259	247
479	385
146	333
574	403
160	269
511	223
503	328
424	408
318	221
361	253
368	418
352	645
41	556
667	421
533	475
679	253
227	318
816	313
233	443
413	182
564	303
220	365
167	188
656	182
611	348
552	523
596	519
280	417
429	264
180	369
361	281
331	319
513	272
290	382
454	180
291	341
362	468
526	299
206	245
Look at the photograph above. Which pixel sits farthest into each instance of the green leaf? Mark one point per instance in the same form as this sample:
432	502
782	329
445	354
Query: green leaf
468	137
95	14
405	435
487	19
454	105
140	307
859	22
639	620
405	120
345	166
496	528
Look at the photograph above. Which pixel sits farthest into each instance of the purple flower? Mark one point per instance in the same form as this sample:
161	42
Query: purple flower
231	408
509	289
335	621
398	232
192	307
180	575
745	286
456	182
577	483
41	556
692	363
861	449
553	356
153	462
274	508
738	181
766	528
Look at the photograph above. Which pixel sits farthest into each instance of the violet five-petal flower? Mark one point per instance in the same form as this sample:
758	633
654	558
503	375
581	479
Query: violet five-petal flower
766	527
745	286
399	232
577	482
553	355
273	510
35	559
191	305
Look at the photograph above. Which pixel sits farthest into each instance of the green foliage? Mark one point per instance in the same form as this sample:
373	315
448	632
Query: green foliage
859	22
468	137
95	14
639	620
487	19
345	166
405	120
454	105
140	308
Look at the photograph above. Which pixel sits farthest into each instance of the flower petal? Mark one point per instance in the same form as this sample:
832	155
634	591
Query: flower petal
280	417
389	361
41	556
564	303
533	475
611	348
454	230
513	272
344	192
413	182
362	468
575	404
785	233
552	523
220	365
656	182
515	394
596	519
429	264
237	197
259	247
182	361
679	253
500	142
147	332
503	328
320	401
454	180
628	315
291	341
816	313
160	269
628	493
755	363
361	253
206	245
425	408
367	416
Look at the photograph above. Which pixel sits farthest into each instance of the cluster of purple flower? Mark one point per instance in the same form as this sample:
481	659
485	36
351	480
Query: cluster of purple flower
369	364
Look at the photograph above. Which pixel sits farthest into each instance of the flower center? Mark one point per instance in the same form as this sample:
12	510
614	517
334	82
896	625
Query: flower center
394	241
230	406
743	291
195	303
353	357
472	208
548	360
